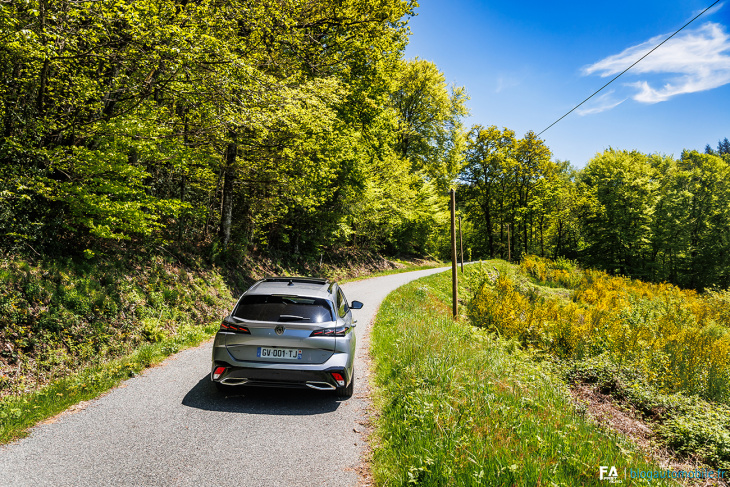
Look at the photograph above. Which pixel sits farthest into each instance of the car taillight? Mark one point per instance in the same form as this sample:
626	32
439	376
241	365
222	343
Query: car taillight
330	332
339	379
235	328
218	372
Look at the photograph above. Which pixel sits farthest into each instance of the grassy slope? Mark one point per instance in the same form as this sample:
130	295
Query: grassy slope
459	407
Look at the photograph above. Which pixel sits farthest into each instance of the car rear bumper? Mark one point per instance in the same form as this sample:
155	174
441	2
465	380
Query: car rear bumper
313	376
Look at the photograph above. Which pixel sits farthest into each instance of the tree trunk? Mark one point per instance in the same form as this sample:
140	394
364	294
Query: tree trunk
40	101
229	176
12	101
487	208
186	141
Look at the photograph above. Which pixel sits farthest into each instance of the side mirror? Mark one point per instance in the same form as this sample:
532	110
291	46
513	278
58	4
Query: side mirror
356	305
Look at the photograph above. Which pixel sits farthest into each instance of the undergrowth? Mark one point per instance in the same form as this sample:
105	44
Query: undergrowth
688	425
57	317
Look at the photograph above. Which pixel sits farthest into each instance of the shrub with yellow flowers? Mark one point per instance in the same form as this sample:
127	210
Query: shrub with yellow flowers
678	340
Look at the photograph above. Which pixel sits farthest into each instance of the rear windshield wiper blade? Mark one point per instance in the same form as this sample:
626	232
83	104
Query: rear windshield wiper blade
292	318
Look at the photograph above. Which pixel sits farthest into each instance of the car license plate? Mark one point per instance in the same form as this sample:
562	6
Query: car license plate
280	353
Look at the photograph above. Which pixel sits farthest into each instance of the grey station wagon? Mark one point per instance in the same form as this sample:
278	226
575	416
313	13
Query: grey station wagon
288	332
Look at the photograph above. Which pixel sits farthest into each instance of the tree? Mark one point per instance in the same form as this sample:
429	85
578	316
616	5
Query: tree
723	147
166	121
618	231
563	204
430	134
692	223
533	167
489	158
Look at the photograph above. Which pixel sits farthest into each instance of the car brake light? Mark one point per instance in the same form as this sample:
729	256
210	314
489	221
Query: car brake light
235	328
339	379
218	372
330	332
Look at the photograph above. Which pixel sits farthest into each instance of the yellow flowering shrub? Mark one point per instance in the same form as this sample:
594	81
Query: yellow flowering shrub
677	339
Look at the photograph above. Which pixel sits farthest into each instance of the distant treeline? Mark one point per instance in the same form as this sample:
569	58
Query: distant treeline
647	216
266	125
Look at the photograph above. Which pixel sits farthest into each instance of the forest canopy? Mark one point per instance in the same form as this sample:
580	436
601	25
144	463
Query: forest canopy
297	127
282	126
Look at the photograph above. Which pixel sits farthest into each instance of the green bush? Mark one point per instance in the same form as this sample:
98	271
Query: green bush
699	428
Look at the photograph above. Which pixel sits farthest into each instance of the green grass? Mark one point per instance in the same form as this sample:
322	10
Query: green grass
456	406
20	412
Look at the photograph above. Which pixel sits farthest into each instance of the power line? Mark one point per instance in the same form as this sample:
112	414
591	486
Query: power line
637	62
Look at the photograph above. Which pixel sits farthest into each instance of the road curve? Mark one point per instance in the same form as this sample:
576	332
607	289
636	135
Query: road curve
169	426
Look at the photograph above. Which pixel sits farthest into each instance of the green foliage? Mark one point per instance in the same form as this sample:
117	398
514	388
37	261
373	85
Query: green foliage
700	429
518	200
692	221
687	424
561	272
429	135
646	216
152	331
618	231
657	218
296	128
188	114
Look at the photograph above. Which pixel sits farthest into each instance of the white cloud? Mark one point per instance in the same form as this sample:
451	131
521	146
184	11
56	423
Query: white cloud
692	61
707	13
600	104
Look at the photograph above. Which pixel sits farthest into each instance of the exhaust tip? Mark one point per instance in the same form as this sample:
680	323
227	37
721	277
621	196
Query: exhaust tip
234	382
321	386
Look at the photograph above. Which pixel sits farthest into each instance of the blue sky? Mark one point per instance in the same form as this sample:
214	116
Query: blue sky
525	64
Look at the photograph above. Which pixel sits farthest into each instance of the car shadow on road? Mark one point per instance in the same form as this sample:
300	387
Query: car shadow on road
260	400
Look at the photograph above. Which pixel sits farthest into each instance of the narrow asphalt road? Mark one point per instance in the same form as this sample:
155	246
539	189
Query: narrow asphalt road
170	426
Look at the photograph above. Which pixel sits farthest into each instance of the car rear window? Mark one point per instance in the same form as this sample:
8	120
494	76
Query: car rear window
283	308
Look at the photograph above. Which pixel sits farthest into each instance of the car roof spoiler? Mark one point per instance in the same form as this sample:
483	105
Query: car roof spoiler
303	280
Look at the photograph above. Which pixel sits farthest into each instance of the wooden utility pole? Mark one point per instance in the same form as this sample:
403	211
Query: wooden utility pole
461	246
454	278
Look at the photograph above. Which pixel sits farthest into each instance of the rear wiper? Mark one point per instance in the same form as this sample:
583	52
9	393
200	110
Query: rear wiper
292	318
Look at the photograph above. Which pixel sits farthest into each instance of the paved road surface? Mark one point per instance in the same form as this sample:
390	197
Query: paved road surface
169	426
